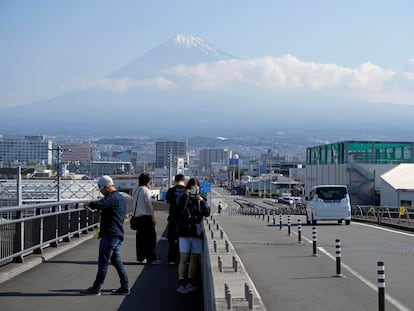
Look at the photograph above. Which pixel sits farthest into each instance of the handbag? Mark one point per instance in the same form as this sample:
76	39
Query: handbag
133	221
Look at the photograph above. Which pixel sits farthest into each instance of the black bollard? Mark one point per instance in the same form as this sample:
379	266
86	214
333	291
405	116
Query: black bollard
289	225
299	232
381	286
338	258
314	241
280	221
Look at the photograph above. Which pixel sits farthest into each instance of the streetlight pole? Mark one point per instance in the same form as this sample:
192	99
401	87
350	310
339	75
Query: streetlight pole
58	173
59	151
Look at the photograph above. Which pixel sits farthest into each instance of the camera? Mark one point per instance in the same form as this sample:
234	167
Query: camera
193	191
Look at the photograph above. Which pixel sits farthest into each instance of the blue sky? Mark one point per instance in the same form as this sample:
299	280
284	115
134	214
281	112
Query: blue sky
48	46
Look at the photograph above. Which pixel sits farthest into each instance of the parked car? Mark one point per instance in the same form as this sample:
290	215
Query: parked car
286	200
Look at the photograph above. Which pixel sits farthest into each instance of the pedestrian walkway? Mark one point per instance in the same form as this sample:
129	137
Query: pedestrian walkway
55	283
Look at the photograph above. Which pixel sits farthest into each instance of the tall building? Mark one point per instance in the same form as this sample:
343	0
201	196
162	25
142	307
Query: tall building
166	149
76	153
15	148
211	156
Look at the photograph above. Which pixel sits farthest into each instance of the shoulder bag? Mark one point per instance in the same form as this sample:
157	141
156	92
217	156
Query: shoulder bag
133	222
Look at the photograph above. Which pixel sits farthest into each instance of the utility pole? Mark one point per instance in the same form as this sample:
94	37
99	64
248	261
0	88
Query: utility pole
59	151
169	158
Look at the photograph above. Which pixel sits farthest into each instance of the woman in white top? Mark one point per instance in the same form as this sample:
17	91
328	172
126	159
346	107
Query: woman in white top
146	237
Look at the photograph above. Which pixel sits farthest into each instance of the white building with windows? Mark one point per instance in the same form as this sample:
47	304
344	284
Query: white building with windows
359	165
397	186
23	149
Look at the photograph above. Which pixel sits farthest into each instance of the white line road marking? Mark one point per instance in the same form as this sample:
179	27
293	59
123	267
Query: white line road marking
389	298
383	229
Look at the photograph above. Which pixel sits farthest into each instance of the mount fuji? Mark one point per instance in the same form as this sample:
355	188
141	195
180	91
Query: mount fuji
151	96
182	49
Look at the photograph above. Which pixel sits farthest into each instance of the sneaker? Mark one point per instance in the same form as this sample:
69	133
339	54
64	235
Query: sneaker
182	289
190	287
171	263
121	291
91	291
156	262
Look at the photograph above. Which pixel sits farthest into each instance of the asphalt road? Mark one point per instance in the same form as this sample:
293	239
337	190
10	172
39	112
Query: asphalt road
288	277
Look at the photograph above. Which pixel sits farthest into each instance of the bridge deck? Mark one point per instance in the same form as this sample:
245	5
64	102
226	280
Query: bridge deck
55	284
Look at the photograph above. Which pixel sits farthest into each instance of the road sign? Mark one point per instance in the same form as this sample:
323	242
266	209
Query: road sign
205	187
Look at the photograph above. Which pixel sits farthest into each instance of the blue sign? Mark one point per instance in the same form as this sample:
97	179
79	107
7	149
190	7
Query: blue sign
205	186
234	163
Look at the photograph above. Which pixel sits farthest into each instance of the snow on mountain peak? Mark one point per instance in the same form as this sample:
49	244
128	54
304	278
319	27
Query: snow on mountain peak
188	41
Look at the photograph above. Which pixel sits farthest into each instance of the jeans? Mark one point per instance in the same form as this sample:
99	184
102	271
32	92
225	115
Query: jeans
109	250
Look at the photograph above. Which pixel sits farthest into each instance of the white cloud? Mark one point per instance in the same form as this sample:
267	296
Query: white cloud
126	84
367	81
274	74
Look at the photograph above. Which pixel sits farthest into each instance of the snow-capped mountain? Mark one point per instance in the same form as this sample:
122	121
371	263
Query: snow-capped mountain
182	49
128	101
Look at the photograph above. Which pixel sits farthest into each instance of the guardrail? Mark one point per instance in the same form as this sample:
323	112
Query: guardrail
250	208
384	215
396	216
31	228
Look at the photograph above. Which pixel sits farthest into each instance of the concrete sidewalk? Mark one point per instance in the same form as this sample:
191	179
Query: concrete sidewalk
55	283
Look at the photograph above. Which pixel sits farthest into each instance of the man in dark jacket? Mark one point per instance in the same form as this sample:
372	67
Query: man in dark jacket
173	196
112	209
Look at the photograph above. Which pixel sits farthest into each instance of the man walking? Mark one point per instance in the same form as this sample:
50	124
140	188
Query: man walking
111	234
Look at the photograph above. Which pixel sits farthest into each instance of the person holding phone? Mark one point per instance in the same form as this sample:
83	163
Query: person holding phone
111	235
193	207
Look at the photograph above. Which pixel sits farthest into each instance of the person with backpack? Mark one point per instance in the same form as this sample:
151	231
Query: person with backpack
193	207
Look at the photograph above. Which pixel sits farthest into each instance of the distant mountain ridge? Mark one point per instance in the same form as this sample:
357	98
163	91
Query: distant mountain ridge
182	49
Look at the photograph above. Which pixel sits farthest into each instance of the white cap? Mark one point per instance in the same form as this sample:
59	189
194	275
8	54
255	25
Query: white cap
105	180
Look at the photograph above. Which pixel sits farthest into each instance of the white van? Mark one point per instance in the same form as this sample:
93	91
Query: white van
328	202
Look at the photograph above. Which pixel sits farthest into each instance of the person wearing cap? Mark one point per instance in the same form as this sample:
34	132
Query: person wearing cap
111	234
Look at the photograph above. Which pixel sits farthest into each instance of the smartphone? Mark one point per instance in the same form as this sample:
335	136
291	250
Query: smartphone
193	191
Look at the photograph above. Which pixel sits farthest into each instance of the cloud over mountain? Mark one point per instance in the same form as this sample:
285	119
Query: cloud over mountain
189	62
186	82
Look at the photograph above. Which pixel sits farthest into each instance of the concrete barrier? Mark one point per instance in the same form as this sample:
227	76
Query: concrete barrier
226	285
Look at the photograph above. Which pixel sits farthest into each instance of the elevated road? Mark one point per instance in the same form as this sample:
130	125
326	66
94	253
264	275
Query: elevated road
288	277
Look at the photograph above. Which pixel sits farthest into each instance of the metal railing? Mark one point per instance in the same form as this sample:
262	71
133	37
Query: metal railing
384	215
402	217
31	228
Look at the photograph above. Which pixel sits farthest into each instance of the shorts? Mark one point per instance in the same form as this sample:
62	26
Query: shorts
191	245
